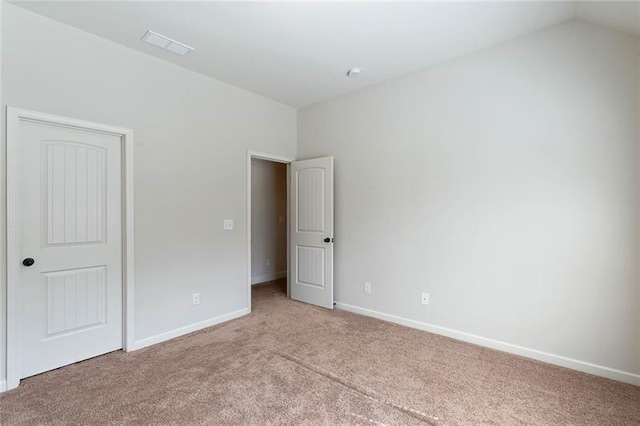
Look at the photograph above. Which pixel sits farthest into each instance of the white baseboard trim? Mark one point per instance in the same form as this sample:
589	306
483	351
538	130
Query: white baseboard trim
585	367
3	386
163	337
268	277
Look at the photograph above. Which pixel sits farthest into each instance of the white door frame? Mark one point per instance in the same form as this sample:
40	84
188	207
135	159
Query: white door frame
276	159
14	117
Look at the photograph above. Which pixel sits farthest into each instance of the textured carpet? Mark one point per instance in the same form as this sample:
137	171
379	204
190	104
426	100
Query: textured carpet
291	363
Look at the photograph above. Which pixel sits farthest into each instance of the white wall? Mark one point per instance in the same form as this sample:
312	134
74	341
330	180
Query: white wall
505	184
268	232
191	136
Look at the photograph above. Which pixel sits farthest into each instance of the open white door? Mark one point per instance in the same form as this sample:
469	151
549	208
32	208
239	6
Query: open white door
311	236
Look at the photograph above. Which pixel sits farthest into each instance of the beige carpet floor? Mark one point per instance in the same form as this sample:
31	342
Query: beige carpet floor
291	363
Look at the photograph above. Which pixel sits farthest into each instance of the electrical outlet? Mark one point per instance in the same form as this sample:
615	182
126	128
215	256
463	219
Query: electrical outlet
228	225
269	262
367	287
195	299
425	298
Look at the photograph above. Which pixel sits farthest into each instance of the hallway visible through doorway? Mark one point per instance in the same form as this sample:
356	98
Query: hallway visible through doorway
268	221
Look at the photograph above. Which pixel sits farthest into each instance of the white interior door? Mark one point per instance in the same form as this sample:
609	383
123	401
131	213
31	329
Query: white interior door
69	187
311	231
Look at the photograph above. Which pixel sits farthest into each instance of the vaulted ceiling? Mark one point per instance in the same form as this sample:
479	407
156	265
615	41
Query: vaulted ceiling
299	53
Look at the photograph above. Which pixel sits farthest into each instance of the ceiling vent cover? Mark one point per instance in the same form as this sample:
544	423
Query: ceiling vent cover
166	43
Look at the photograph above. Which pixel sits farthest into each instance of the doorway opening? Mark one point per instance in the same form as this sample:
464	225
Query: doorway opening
267	225
308	219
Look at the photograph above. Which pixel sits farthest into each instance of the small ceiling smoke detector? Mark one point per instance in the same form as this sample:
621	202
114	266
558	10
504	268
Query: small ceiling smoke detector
353	72
166	43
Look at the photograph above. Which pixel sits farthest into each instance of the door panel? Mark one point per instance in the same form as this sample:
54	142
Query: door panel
311	200
76	300
311	266
70	205
75	188
312	223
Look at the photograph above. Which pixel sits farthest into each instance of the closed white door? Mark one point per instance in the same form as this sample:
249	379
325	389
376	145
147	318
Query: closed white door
69	200
311	233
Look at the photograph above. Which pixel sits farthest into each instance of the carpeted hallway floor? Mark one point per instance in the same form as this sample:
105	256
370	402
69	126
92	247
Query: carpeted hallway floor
291	363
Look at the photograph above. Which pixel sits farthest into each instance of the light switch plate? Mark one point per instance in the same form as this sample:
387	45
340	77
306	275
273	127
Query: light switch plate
228	225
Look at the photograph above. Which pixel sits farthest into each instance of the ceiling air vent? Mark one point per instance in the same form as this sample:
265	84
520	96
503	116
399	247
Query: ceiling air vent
166	43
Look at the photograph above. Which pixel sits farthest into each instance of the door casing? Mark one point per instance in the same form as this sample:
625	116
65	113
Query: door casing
13	305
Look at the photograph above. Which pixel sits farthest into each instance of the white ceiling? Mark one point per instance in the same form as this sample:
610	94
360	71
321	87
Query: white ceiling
298	53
